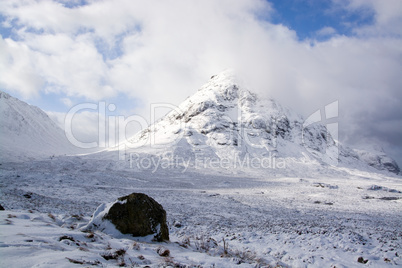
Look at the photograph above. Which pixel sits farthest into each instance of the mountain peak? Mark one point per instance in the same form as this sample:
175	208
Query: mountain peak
4	95
221	87
224	120
228	76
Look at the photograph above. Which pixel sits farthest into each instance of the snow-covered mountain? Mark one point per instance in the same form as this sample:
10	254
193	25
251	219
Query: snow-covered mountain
377	159
225	122
27	132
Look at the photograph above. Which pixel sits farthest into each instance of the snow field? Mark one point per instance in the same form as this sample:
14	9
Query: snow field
215	218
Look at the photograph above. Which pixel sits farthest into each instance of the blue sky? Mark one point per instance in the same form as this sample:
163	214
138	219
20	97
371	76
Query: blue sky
308	17
304	53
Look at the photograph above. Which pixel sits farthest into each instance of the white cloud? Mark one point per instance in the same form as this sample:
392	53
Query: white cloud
162	51
84	125
325	31
387	15
67	102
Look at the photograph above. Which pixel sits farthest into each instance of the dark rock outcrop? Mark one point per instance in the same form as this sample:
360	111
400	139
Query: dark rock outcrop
139	215
136	214
378	160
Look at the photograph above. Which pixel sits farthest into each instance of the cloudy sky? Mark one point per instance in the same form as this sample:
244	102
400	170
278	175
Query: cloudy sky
304	53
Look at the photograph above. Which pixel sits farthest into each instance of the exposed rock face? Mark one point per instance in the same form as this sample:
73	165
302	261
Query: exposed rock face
378	160
139	215
223	120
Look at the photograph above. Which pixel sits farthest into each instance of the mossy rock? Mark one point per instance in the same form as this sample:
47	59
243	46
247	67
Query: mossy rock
139	215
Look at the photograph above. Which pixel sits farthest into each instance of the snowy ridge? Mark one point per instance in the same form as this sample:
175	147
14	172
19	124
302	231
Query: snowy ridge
224	120
27	132
378	160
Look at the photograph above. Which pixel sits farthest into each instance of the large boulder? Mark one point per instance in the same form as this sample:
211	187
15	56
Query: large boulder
136	214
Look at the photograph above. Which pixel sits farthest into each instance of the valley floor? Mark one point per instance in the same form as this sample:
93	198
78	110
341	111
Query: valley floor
216	219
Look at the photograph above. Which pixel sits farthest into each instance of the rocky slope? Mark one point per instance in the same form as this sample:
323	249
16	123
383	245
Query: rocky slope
223	120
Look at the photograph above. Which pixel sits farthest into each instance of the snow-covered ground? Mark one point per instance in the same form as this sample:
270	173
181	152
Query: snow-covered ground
317	217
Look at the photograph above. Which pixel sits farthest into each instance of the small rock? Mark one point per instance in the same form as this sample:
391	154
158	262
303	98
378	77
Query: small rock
368	197
163	252
66	237
389	198
361	260
1	207
177	224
